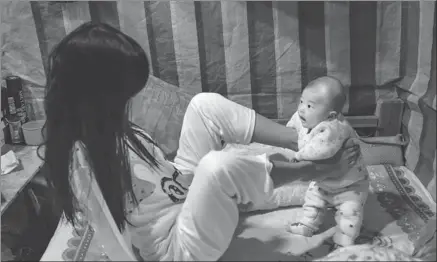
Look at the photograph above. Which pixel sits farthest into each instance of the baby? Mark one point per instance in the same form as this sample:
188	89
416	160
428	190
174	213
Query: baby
322	130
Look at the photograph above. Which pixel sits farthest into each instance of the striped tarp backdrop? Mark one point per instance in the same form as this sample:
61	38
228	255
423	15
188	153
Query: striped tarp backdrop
259	54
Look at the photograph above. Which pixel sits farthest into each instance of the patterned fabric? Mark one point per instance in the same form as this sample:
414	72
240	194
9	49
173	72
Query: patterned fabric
260	54
367	253
322	142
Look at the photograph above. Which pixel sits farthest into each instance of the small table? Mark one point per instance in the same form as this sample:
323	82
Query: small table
13	183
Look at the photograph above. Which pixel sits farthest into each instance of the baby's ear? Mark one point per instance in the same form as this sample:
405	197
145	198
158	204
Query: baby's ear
332	115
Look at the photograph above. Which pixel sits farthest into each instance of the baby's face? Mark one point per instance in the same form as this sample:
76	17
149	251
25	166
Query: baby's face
314	107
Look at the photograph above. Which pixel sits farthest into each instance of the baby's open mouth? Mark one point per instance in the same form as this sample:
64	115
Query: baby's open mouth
302	118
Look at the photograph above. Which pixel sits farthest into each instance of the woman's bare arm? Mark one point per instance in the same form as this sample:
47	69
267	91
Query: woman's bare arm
271	133
285	172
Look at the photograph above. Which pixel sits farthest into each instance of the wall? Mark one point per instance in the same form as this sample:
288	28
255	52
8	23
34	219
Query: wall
260	54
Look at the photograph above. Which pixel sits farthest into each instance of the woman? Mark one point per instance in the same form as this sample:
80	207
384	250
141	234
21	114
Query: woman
93	74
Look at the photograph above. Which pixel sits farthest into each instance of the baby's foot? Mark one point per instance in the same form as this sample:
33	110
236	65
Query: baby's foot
337	246
301	229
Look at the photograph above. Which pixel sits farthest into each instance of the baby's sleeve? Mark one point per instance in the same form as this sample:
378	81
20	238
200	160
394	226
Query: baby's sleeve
294	122
324	144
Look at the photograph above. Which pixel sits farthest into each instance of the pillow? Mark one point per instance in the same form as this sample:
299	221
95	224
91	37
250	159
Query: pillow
159	109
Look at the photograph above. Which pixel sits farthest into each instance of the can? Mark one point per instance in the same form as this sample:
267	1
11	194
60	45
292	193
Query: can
2	135
15	98
15	129
6	134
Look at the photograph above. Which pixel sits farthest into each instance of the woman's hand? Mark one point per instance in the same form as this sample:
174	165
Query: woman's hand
340	163
285	155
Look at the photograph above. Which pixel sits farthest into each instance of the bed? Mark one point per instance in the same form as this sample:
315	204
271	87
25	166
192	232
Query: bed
398	206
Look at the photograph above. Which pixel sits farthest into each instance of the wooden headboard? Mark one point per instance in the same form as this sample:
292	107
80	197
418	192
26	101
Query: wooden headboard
386	121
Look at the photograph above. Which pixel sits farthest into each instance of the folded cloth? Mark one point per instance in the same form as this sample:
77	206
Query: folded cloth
9	162
367	252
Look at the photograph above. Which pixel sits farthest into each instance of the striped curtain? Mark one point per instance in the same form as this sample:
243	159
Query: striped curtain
259	54
418	88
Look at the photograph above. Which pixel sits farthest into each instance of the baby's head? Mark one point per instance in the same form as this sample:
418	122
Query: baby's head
322	99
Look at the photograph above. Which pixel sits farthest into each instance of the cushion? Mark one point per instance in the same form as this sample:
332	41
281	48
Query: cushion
159	109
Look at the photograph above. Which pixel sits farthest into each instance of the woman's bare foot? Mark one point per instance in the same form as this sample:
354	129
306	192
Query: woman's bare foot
301	229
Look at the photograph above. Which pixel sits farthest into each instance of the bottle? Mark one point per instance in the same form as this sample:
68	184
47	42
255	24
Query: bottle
16	109
15	98
6	135
15	129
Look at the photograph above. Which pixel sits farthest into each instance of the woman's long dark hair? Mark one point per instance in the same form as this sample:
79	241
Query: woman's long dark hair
92	75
